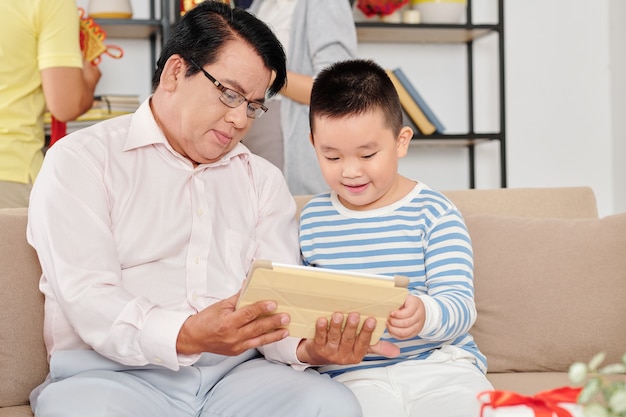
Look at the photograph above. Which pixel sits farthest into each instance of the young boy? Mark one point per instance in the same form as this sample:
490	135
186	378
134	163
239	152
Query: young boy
378	221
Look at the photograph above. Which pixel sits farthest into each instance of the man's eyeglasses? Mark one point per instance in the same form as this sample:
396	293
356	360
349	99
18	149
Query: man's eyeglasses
233	98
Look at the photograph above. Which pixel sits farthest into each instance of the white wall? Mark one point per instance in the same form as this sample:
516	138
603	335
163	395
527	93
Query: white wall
559	96
566	83
617	13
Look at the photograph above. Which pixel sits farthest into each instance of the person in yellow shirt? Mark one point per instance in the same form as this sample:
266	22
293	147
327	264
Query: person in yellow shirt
40	64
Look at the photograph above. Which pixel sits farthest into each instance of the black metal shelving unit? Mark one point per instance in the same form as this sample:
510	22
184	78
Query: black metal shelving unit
468	34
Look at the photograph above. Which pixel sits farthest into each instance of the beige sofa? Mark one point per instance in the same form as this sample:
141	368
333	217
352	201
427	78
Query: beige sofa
550	281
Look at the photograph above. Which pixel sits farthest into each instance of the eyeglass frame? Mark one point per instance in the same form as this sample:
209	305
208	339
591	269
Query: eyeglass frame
224	98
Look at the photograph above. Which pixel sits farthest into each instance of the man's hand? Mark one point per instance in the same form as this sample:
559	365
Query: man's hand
222	330
332	345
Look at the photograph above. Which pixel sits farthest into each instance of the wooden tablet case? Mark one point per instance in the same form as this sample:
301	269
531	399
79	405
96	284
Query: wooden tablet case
307	293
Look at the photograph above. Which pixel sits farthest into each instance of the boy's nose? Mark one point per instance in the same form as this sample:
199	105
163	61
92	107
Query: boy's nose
351	169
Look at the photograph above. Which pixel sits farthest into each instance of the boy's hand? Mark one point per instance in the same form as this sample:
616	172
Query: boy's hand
386	349
407	321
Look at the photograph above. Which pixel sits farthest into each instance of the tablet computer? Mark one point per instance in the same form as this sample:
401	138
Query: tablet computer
307	293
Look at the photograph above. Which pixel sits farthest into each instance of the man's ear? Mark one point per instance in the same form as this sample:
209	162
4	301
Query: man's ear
402	143
173	72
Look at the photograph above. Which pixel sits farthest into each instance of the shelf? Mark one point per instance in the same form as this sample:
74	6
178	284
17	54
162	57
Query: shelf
130	28
376	31
454	140
421	33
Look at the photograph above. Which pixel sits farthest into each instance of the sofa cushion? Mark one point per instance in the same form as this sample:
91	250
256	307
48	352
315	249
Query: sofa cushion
548	291
22	351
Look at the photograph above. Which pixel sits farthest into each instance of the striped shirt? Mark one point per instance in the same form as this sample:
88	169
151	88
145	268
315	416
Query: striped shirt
422	236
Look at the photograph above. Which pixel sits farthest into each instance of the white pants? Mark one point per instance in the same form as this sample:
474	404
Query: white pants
444	385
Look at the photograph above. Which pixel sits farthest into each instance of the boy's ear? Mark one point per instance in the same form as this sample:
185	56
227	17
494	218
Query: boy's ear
311	139
404	138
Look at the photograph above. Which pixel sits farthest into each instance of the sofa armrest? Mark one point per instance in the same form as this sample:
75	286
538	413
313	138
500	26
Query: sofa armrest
22	349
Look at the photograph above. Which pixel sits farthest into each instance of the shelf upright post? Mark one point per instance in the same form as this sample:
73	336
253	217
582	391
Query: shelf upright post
153	38
503	166
470	100
168	17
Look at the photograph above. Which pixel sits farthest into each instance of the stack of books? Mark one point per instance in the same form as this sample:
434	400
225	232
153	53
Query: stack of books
103	107
112	103
418	114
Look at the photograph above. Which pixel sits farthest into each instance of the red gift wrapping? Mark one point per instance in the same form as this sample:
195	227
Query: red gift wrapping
543	404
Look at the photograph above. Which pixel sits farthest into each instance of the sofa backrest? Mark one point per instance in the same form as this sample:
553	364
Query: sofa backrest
549	291
562	202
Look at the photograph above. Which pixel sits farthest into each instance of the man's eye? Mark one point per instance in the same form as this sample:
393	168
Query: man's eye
230	95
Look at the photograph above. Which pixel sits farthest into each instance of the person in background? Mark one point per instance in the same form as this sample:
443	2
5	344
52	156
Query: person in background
375	220
314	33
40	64
146	226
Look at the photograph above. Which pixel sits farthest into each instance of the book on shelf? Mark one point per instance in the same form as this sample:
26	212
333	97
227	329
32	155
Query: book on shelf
424	125
307	293
407	121
412	90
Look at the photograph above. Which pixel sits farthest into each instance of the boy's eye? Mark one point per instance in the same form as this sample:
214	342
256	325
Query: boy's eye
331	158
369	156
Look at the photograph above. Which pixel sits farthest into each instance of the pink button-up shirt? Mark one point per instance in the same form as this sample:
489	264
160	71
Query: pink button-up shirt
133	239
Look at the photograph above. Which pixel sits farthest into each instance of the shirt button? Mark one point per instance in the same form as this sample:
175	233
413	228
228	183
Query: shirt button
196	260
200	212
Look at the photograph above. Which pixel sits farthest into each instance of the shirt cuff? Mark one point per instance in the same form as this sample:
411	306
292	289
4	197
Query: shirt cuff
158	339
432	320
284	351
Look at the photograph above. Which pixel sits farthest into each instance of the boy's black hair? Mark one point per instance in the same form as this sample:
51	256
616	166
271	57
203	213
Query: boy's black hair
205	30
354	87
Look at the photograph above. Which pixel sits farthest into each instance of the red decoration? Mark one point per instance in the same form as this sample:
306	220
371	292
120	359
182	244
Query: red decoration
543	404
379	7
